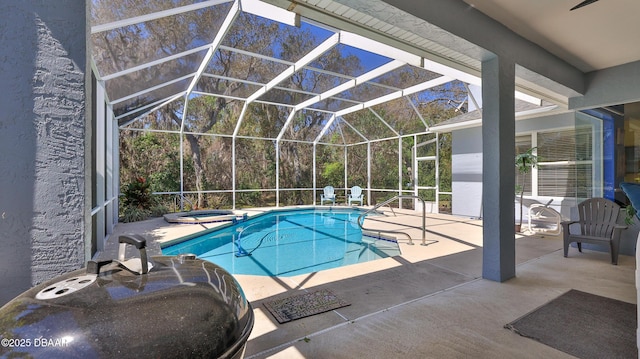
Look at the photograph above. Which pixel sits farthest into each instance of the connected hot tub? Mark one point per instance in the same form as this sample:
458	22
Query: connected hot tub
203	216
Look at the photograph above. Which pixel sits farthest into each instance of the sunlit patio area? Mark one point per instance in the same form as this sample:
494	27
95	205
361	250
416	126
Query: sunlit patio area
429	302
117	112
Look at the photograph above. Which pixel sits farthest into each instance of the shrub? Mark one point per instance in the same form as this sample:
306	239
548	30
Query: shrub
137	194
138	203
159	210
134	214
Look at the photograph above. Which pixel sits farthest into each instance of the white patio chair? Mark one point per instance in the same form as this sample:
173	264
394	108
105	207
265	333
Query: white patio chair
355	195
543	218
328	195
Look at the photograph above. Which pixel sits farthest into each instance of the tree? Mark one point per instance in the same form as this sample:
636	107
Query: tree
154	156
209	116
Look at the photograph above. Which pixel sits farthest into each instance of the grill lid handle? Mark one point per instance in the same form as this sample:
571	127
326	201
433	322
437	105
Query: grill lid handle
135	240
136	265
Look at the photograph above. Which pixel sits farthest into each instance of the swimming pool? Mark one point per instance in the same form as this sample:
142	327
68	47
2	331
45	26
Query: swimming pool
288	243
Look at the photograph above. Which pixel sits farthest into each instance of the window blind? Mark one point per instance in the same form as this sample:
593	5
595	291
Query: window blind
565	163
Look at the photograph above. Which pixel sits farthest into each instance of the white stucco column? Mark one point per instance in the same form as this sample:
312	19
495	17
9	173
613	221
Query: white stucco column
498	173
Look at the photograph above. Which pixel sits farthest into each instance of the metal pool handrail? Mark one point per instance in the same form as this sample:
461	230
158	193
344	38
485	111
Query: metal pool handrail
182	199
424	220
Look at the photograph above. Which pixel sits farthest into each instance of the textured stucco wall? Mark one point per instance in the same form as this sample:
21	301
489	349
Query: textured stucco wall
42	141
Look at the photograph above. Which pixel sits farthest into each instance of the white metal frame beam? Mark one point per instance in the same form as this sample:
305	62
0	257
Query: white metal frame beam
100	166
366	44
392	96
156	15
384	122
325	129
226	25
305	60
354	130
378	71
157	104
415	109
271	12
154	62
284	127
149	89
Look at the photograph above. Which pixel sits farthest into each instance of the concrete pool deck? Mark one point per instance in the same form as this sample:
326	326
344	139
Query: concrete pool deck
429	302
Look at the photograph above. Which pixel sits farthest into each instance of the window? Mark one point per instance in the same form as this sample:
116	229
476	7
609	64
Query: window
565	162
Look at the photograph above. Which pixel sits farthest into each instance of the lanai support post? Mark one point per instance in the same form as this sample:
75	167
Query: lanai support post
498	171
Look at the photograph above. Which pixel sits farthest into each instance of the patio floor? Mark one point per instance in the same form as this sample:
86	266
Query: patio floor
430	302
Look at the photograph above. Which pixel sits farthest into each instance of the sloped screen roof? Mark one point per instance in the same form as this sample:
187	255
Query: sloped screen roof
253	62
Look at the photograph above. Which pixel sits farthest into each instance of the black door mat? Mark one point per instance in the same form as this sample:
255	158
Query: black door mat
304	305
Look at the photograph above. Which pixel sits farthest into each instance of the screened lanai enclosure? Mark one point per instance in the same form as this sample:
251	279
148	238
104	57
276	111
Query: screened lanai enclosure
232	104
235	104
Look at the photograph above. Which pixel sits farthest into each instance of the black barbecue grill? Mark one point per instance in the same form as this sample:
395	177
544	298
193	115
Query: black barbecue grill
162	307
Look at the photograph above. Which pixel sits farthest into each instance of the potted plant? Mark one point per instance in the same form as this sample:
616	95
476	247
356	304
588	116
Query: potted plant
524	163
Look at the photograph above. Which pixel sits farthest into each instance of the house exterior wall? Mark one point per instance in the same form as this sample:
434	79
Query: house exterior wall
466	172
466	163
546	123
42	141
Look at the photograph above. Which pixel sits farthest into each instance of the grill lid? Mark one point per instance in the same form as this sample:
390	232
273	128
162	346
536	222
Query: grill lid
180	306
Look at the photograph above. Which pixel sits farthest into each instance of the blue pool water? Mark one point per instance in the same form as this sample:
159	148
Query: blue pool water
287	243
